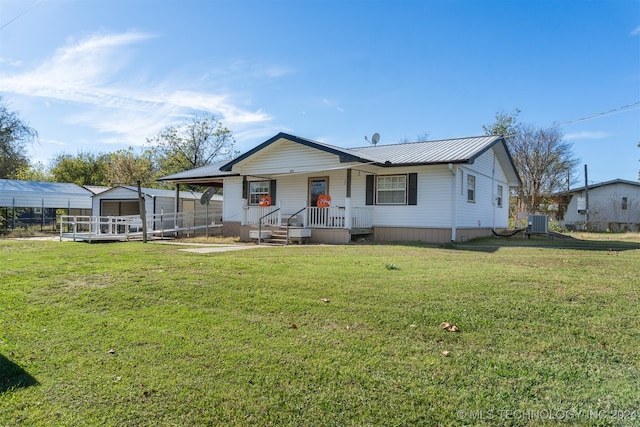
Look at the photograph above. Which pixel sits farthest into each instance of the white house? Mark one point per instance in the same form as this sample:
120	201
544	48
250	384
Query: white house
436	191
613	205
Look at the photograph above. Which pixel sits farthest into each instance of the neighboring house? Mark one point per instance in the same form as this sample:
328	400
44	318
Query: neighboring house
436	191
32	202
613	206
160	206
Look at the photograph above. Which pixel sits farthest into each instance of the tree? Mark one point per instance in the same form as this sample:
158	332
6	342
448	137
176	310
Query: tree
15	134
420	138
543	160
35	172
200	141
127	168
82	169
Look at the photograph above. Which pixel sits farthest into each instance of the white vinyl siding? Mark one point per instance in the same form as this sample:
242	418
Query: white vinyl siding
232	208
434	200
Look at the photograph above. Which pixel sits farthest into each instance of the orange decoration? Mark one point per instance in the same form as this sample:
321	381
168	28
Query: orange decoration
324	201
265	201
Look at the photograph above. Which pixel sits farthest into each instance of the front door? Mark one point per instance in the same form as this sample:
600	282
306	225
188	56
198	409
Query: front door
317	186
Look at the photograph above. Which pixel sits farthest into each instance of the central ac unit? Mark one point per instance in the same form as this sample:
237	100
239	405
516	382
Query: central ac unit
538	224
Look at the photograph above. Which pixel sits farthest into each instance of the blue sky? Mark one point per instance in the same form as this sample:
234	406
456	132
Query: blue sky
97	76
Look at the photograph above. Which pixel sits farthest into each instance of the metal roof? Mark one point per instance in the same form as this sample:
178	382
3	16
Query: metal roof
34	194
208	171
155	192
460	150
600	184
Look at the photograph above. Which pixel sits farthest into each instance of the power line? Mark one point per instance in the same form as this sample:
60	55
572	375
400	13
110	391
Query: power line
19	15
605	113
622	109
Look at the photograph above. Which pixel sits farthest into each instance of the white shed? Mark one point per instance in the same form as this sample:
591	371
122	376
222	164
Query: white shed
160	206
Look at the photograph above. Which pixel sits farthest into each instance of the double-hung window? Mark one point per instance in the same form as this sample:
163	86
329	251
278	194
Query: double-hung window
471	188
499	196
391	190
257	189
625	203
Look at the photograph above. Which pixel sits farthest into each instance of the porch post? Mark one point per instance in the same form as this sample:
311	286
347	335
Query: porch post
245	200
347	203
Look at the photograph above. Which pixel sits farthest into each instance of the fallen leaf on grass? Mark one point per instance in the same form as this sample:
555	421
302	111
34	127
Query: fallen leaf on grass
293	326
111	351
446	353
325	300
449	327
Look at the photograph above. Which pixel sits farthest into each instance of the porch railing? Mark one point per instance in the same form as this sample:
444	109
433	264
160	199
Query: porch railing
271	214
314	217
361	217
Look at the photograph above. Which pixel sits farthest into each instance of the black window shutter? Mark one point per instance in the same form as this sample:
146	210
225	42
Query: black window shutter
413	189
369	190
245	188
272	191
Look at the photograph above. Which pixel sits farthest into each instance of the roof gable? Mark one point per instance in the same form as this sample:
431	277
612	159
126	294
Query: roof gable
345	155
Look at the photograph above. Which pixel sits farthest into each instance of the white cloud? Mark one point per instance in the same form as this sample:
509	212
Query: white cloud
93	74
635	31
10	62
586	135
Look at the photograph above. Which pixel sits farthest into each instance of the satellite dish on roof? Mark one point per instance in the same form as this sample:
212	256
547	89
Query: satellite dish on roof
206	196
375	138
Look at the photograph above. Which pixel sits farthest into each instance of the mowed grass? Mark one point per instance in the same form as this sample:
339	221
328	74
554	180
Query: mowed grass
133	334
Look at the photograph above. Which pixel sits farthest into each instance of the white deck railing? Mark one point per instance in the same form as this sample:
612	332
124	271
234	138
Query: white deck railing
124	227
361	217
254	213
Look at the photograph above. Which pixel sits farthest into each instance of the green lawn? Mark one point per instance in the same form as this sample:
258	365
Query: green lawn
140	334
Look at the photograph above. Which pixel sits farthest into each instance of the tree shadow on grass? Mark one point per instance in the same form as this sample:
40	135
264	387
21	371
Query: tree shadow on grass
12	376
548	242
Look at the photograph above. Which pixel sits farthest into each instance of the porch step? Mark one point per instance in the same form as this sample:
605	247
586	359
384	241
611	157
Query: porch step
278	236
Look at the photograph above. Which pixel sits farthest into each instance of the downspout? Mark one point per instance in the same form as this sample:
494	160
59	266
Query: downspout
454	218
347	203
493	192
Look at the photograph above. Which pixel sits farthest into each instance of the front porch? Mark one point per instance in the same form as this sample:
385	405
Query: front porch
334	224
337	217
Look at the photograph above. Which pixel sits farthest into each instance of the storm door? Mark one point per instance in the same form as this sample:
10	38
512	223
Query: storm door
317	186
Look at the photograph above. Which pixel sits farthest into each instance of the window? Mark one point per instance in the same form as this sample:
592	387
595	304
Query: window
391	190
499	196
257	189
471	189
625	203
